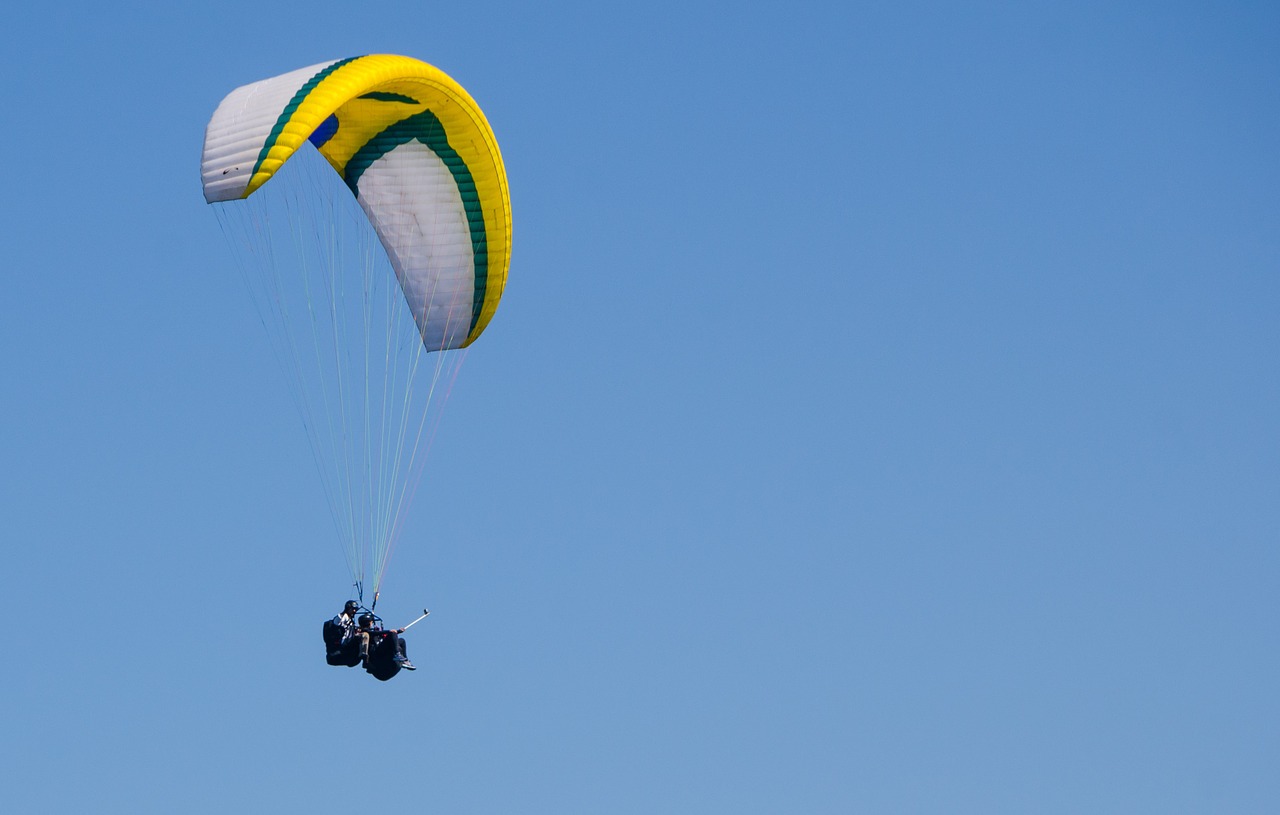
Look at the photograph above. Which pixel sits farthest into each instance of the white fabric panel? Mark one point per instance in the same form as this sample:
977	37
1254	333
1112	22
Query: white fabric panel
414	204
240	126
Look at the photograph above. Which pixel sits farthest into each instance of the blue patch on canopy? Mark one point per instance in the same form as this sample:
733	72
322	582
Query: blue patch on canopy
324	132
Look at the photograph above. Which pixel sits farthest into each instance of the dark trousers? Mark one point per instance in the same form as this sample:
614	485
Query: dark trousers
382	656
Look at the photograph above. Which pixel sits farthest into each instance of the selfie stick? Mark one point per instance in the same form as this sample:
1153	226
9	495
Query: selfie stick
420	619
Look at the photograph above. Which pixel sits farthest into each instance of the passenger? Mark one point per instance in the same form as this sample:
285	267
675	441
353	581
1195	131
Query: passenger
387	652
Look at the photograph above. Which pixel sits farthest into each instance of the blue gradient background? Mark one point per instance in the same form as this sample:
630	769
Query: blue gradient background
881	418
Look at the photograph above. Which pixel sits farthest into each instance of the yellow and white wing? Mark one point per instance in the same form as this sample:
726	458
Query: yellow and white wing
419	156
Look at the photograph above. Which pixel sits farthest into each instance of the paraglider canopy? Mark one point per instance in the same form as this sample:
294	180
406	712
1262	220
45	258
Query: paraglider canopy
419	156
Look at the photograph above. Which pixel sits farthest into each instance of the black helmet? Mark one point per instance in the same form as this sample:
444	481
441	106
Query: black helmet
351	605
365	619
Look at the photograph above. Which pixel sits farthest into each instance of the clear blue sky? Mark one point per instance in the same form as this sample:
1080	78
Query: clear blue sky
881	418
